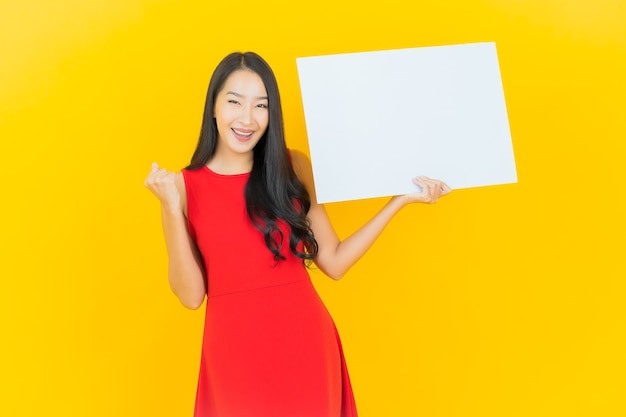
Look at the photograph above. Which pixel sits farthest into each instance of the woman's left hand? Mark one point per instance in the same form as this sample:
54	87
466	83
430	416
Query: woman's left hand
431	191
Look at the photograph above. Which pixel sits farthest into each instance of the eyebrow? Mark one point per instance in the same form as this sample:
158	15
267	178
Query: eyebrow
241	96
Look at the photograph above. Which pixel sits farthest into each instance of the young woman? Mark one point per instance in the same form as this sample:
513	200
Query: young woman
241	223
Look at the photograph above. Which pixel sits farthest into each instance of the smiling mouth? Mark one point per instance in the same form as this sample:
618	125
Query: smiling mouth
243	134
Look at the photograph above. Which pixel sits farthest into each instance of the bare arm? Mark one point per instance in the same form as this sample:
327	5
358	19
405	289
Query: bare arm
335	257
185	271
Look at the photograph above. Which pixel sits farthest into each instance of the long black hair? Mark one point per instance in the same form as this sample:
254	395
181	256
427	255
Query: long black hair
273	191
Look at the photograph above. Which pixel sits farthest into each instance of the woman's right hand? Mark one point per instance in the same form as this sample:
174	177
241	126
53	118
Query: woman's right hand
162	183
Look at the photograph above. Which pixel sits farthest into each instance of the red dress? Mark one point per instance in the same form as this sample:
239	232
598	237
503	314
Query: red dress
270	347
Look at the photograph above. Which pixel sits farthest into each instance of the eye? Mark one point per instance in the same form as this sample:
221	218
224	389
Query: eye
262	106
233	101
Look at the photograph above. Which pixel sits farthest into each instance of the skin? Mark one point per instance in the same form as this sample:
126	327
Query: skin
242	118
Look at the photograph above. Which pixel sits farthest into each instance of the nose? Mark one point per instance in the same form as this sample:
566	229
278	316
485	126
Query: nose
245	116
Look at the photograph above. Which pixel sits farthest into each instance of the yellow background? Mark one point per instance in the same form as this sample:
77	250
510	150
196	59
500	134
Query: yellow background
499	301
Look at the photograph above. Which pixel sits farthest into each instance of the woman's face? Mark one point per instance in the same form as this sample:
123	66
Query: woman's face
241	112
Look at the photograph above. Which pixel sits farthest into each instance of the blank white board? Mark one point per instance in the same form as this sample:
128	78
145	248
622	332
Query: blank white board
375	120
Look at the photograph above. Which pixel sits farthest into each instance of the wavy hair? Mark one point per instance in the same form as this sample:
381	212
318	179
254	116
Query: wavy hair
273	192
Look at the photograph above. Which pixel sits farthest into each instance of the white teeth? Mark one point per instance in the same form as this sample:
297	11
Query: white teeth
241	133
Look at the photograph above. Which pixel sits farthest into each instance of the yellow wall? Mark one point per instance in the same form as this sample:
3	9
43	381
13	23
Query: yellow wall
500	301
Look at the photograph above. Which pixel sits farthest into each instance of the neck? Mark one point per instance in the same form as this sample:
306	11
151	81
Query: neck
231	164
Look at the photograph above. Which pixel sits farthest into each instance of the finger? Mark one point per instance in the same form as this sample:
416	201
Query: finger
427	185
427	189
433	193
153	168
429	181
440	187
421	181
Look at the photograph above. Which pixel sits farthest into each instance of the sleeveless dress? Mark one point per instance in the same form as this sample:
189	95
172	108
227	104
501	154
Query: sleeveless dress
270	347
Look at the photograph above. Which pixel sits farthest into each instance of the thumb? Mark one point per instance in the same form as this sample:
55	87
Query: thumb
155	168
419	183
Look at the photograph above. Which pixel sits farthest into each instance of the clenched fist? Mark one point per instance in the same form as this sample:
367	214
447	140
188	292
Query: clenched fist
162	183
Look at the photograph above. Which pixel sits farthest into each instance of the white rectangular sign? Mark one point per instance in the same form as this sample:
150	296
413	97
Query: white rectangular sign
377	119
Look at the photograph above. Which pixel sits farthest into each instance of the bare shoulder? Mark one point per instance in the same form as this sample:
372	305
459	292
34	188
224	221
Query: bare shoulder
179	180
301	164
304	171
